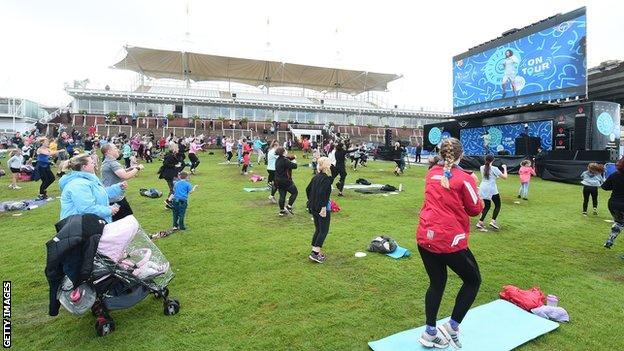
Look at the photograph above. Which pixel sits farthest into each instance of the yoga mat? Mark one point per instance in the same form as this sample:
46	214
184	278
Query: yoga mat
376	191
254	190
32	204
361	186
495	326
399	252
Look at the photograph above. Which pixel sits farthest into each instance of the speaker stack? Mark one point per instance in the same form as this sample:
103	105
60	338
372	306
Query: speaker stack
388	137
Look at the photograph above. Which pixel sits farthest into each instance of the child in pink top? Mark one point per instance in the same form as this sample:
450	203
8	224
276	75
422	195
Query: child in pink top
525	172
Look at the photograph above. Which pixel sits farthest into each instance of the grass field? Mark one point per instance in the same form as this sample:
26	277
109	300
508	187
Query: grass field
245	283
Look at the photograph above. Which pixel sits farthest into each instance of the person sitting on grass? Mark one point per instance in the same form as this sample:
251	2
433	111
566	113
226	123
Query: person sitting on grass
181	191
318	192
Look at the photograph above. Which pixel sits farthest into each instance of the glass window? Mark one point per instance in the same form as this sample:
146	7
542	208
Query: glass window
124	107
96	106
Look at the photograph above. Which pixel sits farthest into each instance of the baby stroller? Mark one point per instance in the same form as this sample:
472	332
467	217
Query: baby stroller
127	268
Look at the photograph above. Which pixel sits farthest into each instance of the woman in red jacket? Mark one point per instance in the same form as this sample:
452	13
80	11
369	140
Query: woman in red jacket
451	198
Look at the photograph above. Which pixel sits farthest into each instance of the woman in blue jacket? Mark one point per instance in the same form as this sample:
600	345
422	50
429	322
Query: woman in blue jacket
82	191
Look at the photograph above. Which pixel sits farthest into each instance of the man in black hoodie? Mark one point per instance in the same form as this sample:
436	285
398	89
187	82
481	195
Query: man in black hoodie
283	180
318	192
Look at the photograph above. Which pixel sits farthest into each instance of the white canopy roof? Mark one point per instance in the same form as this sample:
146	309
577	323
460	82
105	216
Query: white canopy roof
201	67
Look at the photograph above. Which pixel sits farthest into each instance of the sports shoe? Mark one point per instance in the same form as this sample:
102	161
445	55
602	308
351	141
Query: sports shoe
609	243
10	186
494	225
480	225
290	209
282	213
519	196
451	335
585	214
17	187
317	257
272	199
595	211
428	340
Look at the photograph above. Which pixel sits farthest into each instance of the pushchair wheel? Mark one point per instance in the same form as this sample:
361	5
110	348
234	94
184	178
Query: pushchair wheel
171	307
104	326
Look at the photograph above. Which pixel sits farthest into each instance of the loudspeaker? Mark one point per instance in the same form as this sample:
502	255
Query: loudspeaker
580	133
233	95
388	137
521	145
322	101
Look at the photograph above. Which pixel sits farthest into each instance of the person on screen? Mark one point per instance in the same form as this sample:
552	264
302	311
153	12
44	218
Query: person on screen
510	68
486	142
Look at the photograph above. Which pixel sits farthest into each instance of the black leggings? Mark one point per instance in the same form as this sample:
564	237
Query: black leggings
271	182
488	203
170	184
321	228
229	155
342	172
194	161
593	191
465	266
47	178
292	189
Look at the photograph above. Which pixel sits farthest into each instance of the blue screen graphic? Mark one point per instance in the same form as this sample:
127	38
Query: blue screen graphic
546	65
503	137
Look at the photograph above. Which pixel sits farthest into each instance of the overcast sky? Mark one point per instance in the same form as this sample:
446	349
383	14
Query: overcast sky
46	43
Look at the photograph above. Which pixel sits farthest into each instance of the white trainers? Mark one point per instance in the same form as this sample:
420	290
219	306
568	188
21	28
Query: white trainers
433	341
16	187
272	199
494	225
451	335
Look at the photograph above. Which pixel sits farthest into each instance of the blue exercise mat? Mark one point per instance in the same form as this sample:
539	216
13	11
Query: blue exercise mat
399	252
495	326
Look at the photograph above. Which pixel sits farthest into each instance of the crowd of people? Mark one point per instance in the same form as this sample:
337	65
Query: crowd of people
451	193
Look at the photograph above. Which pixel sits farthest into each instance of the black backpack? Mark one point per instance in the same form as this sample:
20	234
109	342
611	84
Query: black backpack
388	187
383	244
362	181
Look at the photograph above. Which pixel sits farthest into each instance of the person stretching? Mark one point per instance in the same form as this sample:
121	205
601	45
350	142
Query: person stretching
592	178
488	191
318	192
43	167
340	168
442	237
525	173
271	158
193	148
283	180
615	184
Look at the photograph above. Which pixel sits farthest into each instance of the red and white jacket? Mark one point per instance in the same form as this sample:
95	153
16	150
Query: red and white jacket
444	225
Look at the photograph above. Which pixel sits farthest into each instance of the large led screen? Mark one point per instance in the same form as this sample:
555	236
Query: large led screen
503	137
533	65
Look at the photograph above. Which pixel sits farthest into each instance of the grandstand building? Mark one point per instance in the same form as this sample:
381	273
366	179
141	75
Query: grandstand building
258	92
17	114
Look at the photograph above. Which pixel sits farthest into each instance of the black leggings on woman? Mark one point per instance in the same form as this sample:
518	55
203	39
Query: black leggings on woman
342	172
587	191
321	228
488	203
47	178
292	189
465	266
194	161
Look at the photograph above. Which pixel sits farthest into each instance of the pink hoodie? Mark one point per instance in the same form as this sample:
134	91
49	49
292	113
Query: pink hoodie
525	173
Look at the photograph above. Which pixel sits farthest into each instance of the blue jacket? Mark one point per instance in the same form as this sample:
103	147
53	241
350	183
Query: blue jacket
83	192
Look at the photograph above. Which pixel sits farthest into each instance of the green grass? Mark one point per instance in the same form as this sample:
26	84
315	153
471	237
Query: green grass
245	283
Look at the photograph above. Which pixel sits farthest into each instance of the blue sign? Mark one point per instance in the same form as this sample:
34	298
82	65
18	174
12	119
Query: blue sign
546	65
604	122
503	137
435	136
